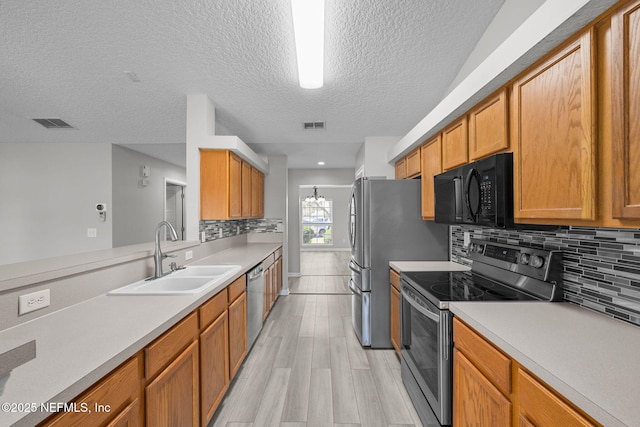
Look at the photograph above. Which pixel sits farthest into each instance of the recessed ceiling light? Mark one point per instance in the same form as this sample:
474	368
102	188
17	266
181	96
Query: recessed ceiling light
308	29
321	163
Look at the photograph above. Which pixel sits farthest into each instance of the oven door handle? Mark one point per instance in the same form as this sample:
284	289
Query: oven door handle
414	303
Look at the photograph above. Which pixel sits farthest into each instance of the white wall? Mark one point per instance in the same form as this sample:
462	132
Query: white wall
372	156
48	194
298	177
510	16
137	209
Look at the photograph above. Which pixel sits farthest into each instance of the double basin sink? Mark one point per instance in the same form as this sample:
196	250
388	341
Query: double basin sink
186	281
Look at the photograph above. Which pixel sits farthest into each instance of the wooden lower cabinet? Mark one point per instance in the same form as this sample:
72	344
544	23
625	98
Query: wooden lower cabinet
394	309
237	333
120	392
476	401
172	399
538	406
485	394
214	365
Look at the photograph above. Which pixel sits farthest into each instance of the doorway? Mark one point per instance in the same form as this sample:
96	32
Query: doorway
174	194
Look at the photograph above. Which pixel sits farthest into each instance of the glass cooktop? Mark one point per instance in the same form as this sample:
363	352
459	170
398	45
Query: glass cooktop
444	286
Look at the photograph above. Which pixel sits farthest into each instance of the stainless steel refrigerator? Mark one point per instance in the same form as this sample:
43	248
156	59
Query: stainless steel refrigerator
385	224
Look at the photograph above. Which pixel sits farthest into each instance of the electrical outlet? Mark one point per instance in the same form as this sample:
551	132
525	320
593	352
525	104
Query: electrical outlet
92	232
467	239
203	236
34	301
188	255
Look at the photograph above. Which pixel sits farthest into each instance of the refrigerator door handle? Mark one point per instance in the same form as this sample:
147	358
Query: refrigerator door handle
354	267
354	289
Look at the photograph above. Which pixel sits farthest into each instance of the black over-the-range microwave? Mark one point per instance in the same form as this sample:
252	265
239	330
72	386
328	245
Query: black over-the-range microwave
478	193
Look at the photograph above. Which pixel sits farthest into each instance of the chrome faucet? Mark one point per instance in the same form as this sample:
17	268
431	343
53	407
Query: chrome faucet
158	256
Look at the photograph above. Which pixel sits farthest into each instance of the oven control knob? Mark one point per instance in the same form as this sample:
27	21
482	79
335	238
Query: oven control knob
524	258
536	261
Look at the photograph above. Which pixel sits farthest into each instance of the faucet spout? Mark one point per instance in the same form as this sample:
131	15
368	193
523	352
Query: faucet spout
158	256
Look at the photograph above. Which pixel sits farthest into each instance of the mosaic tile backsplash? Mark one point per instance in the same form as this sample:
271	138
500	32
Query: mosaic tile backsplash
601	268
220	229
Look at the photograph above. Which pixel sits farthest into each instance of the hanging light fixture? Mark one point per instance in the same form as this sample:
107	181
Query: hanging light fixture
308	30
314	196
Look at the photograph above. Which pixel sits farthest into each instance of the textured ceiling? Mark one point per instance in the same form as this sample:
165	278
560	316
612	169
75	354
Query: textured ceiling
387	63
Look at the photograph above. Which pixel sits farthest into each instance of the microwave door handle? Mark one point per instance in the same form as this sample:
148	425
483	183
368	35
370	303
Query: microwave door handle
457	186
422	310
473	212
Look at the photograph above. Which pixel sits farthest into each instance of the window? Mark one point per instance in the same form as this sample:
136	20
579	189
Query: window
317	222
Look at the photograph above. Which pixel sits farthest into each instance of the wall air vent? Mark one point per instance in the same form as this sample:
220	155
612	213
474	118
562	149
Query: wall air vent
313	125
54	123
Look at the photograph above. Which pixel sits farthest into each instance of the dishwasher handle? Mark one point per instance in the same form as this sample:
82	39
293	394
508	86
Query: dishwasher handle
256	273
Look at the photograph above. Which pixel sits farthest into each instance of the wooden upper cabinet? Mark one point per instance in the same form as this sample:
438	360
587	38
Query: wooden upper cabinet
235	186
455	144
401	168
412	163
431	166
553	138
625	79
230	188
255	193
488	129
246	190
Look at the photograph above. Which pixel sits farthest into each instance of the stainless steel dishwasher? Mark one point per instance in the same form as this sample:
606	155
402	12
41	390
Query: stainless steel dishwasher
255	302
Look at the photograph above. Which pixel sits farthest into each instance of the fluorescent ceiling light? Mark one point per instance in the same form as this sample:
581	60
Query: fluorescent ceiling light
308	29
321	163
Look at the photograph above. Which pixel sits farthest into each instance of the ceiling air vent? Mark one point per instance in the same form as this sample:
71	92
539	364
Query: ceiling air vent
54	123
313	125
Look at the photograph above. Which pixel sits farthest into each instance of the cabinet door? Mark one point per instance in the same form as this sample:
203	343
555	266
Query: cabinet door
279	275
625	27
246	190
235	186
412	164
394	322
539	406
173	397
553	137
256	189
214	366
455	144
237	333
431	166
120	390
214	184
267	293
401	170
476	402
261	196
488	127
128	417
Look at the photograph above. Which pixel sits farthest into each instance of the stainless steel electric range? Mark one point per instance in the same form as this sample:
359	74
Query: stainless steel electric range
500	272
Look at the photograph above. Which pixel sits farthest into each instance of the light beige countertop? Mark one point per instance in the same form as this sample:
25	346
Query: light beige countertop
591	359
407	266
80	344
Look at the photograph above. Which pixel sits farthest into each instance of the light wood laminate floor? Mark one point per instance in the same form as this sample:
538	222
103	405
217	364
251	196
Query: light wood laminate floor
307	368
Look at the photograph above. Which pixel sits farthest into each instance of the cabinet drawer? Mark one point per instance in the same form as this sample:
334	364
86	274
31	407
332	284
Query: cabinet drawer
394	278
540	406
491	362
210	310
118	390
237	288
278	252
163	350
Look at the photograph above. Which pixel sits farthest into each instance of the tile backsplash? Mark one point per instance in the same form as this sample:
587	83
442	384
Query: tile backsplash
601	266
220	229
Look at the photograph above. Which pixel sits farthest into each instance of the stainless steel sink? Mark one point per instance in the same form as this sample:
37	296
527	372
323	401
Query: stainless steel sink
191	280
